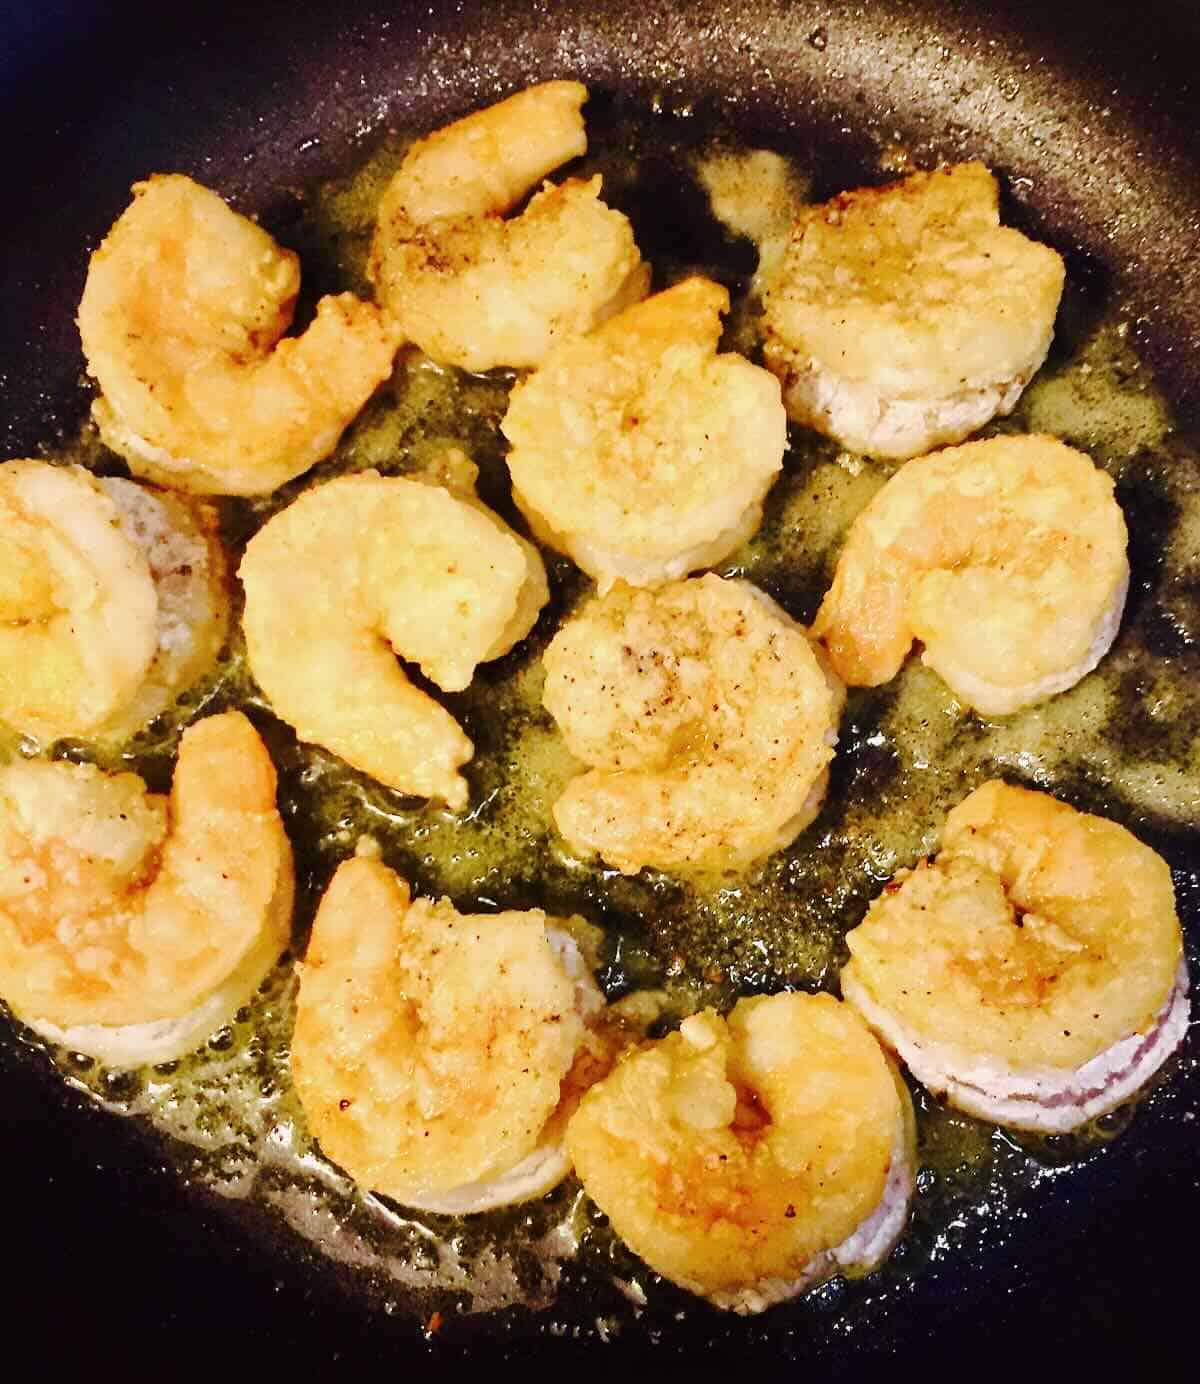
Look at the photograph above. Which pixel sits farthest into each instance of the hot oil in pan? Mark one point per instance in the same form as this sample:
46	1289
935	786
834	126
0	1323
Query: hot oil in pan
1123	743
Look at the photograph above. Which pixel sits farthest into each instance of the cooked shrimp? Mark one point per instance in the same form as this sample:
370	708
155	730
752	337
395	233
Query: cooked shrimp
474	290
364	568
639	451
181	319
113	599
1006	558
435	1054
1034	970
746	1159
904	317
132	927
707	716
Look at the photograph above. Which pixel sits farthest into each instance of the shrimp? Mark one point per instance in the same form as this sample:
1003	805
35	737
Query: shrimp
639	451
365	565
473	290
904	317
181	320
113	600
749	1158
1034	970
1006	558
708	718
132	927
435	1054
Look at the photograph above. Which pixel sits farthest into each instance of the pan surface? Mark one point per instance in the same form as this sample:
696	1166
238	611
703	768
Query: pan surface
1094	130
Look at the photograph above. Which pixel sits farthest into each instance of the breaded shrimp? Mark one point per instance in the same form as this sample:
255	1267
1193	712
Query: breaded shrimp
132	927
639	451
708	718
435	1053
182	320
905	317
1034	970
113	599
365	568
747	1159
1006	558
474	290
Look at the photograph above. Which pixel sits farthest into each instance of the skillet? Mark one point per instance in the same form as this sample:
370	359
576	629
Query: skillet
111	1255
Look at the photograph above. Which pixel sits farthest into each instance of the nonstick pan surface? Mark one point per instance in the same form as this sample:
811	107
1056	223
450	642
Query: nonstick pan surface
111	1255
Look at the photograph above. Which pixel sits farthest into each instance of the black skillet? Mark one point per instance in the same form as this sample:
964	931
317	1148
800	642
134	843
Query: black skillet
111	1258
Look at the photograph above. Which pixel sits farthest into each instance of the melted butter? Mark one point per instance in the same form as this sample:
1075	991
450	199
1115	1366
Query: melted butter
1098	398
1122	742
333	237
756	193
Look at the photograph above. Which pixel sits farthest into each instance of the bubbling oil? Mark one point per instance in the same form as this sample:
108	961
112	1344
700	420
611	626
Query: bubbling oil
1123	742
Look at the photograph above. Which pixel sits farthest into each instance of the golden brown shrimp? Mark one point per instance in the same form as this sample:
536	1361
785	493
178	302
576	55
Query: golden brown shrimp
434	1052
709	720
366	567
474	290
904	317
132	927
1006	558
113	599
746	1159
639	451
182	321
1033	970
